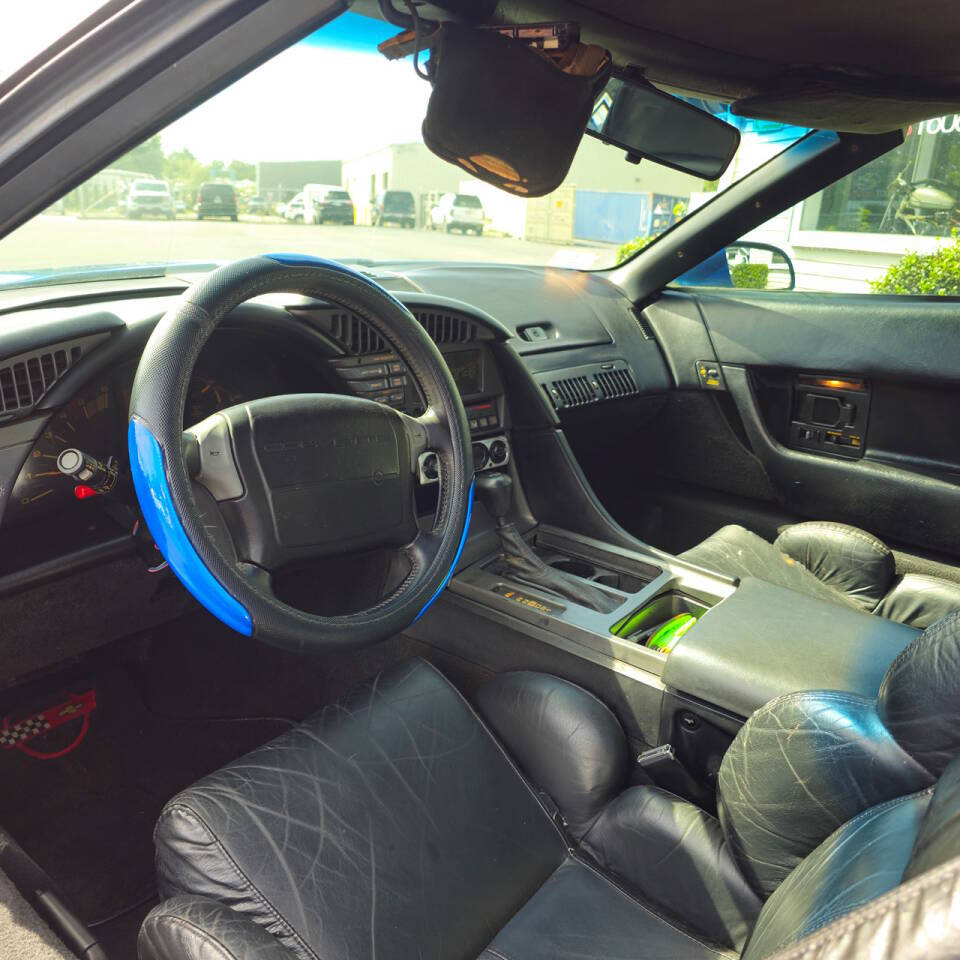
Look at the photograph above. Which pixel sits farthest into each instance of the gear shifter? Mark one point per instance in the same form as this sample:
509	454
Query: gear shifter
495	492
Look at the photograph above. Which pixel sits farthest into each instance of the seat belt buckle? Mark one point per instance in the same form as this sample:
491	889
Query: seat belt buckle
657	758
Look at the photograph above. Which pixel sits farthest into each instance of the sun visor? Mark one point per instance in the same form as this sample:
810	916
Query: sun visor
507	113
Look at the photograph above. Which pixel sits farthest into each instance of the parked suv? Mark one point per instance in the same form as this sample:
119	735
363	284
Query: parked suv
328	203
395	206
457	211
217	200
149	197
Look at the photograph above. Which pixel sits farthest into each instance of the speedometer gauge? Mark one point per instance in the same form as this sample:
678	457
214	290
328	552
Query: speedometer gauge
207	395
84	423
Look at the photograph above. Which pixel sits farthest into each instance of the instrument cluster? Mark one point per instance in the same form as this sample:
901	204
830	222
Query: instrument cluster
79	461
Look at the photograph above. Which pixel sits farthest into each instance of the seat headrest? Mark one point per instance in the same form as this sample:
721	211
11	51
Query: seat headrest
919	700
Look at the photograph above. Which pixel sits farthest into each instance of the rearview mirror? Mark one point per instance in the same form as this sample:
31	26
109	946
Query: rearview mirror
650	124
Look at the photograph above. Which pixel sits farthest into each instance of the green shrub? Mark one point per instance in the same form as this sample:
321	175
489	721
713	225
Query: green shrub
626	250
751	275
928	274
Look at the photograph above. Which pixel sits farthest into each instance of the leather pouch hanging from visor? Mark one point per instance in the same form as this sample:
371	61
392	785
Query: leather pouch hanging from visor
507	113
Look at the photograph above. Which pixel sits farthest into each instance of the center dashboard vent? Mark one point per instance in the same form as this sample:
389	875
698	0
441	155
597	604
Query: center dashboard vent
589	384
359	337
24	379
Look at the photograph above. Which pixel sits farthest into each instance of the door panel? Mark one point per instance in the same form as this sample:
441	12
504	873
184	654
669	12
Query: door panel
741	456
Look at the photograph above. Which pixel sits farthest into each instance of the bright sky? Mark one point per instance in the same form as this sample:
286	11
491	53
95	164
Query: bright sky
310	102
330	97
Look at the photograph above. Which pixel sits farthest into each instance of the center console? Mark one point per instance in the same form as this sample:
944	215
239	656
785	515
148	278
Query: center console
688	653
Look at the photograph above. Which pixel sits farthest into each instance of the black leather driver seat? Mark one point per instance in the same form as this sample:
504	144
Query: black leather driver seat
835	562
395	825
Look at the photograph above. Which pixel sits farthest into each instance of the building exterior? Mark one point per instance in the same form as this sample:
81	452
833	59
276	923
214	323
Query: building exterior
399	166
849	234
278	181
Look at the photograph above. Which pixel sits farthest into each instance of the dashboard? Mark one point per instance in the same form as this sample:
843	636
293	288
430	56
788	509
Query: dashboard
68	358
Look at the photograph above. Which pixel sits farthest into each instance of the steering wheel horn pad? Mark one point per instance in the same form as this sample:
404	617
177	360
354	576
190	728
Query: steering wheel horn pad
320	474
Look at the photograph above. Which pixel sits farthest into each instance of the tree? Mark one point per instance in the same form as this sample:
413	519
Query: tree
934	274
147	158
238	170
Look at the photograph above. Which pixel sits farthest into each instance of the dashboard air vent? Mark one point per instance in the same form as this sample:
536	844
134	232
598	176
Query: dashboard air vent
446	327
358	337
616	383
24	379
355	334
589	384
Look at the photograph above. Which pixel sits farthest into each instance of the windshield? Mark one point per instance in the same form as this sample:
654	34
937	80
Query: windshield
236	170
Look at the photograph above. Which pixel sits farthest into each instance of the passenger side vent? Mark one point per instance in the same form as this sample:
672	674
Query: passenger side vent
589	384
25	379
643	324
616	383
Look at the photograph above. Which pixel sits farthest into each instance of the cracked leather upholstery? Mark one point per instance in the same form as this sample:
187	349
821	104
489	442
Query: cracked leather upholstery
192	928
372	829
737	552
579	914
657	844
807	763
920	694
565	740
832	561
858	565
394	825
919	600
861	860
799	768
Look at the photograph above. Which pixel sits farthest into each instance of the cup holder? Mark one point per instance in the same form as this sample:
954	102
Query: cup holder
577	568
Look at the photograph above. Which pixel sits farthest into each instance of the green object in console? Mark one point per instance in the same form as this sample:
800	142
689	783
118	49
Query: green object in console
667	635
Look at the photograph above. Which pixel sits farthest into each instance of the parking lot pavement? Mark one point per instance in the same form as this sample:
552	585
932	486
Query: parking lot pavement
64	241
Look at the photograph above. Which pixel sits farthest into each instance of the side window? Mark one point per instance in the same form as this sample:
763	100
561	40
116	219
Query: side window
893	226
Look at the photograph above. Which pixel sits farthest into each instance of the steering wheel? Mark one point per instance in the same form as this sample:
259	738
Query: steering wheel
296	477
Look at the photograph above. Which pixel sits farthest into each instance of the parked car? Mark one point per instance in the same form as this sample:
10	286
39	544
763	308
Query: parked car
259	205
457	211
328	203
149	198
217	200
293	211
394	206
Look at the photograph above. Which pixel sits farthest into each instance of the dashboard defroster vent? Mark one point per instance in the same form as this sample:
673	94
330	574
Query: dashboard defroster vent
589	384
24	379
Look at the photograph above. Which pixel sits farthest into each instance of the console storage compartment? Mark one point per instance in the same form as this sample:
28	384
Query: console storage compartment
764	641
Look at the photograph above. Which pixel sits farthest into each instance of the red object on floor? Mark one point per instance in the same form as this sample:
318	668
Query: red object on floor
16	735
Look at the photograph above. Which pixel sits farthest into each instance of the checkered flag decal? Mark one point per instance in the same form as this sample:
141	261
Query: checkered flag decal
23	730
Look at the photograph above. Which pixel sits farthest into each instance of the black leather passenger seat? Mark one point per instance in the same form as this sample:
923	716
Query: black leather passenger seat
832	561
399	824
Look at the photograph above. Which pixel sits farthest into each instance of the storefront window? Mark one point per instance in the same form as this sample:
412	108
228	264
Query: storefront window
914	189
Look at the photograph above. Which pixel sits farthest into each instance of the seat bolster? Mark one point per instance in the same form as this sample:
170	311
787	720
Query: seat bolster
848	559
567	742
919	600
195	928
738	552
862	860
674	855
800	767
